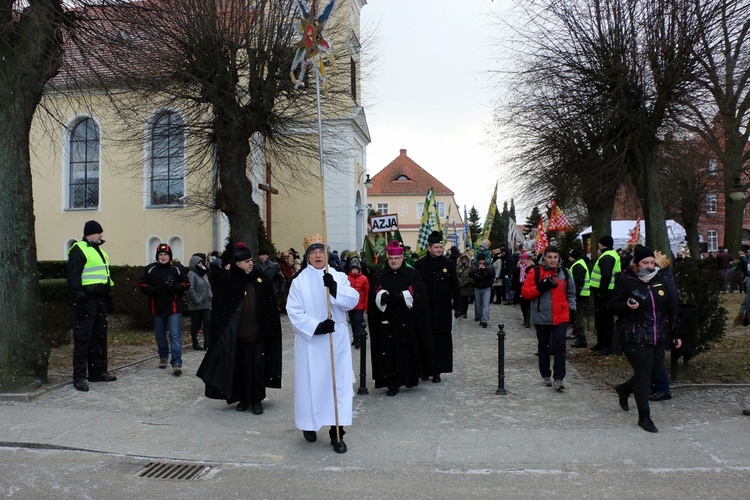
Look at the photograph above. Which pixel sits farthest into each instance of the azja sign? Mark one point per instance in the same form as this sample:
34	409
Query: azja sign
383	223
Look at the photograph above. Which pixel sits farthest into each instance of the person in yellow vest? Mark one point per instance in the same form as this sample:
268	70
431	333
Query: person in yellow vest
579	268
601	283
91	289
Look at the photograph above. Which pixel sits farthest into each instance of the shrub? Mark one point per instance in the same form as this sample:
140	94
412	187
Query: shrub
52	269
55	311
699	283
127	297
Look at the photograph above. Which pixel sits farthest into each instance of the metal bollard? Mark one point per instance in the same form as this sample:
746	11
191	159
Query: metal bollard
501	360
363	364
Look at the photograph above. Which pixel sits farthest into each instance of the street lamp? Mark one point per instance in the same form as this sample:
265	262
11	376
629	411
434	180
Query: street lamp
737	193
368	181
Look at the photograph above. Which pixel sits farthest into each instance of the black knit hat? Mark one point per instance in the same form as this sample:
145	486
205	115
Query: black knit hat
241	252
435	237
92	227
641	253
163	248
607	241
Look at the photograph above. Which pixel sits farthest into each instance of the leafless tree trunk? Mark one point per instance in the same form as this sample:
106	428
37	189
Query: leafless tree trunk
30	54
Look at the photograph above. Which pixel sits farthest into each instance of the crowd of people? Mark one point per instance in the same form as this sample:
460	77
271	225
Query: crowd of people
410	305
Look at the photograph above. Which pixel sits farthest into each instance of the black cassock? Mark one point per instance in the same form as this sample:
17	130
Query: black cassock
218	369
444	296
400	338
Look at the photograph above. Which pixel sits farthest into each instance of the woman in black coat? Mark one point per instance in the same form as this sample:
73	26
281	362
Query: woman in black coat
244	351
645	302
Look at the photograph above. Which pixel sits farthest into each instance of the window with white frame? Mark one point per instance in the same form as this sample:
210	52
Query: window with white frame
711	203
83	165
382	208
166	161
440	207
713	240
713	166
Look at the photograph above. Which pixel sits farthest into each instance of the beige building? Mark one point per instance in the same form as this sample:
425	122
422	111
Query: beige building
400	188
145	192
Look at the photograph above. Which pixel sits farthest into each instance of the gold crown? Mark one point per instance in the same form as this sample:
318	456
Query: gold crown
312	239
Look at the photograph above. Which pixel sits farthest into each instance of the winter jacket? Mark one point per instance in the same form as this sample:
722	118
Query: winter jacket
465	282
199	293
164	284
655	320
362	285
553	306
482	278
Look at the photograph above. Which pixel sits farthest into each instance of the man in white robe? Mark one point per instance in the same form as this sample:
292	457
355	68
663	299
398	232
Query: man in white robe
308	313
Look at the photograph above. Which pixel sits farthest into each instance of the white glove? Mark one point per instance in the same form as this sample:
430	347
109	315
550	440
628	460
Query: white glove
408	299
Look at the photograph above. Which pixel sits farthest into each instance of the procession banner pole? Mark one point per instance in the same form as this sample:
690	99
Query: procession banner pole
311	48
325	250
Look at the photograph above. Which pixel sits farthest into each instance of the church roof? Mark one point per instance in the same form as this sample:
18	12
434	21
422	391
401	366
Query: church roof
403	176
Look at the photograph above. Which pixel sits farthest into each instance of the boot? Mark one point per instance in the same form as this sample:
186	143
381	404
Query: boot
644	420
623	394
338	446
196	345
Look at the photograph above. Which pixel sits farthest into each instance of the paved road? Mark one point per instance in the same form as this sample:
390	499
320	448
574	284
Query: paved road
456	439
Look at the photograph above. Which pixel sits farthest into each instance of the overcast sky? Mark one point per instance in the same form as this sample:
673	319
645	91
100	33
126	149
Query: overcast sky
431	91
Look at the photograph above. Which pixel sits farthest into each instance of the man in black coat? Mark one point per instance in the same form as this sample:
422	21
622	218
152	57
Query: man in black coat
244	352
443	294
401	335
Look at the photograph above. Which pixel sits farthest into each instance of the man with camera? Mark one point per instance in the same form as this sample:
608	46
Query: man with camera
553	296
165	284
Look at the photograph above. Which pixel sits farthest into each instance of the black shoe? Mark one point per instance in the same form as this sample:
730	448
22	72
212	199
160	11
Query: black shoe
392	392
647	424
356	346
476	319
425	379
465	316
746	412
436	379
596	347
623	397
578	343
484	325
198	347
338	447
242	406
106	377
257	408
660	396
81	385
310	436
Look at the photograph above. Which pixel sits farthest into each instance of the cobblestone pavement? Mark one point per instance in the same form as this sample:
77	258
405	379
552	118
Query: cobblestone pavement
459	425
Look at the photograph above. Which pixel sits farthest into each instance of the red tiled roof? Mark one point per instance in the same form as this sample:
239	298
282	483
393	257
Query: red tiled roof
416	180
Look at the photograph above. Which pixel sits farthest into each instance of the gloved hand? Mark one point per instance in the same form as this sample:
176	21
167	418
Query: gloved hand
544	285
330	283
325	326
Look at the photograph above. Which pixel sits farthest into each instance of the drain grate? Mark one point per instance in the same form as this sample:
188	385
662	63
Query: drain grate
165	470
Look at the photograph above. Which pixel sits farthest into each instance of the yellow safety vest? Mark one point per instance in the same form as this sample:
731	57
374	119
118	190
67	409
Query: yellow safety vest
96	270
585	292
596	273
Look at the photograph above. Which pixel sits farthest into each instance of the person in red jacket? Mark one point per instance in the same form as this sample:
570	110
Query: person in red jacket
553	295
361	284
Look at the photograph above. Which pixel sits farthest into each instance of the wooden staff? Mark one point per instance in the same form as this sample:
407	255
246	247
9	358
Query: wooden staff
325	252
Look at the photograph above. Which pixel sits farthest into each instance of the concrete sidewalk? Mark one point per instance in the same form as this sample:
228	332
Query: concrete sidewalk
458	425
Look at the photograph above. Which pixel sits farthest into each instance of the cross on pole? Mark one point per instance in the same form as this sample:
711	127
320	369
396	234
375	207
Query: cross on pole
269	191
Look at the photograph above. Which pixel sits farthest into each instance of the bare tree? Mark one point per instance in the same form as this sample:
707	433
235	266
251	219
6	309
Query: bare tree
600	76
683	163
31	49
719	111
225	65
